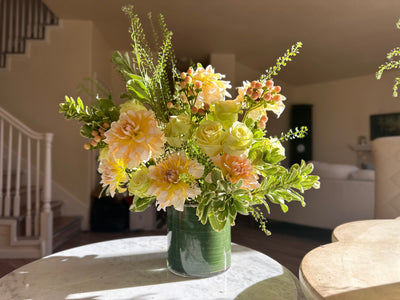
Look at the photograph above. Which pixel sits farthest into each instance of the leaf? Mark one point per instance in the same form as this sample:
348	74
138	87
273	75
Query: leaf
215	224
140	204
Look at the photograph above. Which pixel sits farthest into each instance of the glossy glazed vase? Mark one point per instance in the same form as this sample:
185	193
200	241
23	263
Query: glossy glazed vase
194	249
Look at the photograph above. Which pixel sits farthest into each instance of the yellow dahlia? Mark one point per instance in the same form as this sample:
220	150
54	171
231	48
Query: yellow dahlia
113	174
173	180
135	138
235	168
213	88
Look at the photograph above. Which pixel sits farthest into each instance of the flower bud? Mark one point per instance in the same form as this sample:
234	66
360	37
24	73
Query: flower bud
249	91
258	85
269	84
106	125
93	143
264	119
277	98
170	105
253	84
254	95
188	79
277	89
95	133
183	84
190	71
183	75
267	96
261	125
86	146
201	111
206	106
198	84
97	138
194	109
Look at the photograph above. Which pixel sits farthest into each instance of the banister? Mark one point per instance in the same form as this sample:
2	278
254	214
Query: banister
20	126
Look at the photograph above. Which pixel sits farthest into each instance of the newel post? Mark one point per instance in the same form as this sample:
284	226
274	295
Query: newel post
46	215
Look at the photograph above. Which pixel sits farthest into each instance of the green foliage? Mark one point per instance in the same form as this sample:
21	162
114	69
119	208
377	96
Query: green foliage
220	201
147	76
140	204
390	65
282	61
281	185
296	134
94	117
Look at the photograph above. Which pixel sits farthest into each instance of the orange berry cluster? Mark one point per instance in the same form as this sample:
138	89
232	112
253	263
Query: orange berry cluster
192	88
267	91
98	136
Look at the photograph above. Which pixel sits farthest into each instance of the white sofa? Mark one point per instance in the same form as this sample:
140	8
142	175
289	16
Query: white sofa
346	194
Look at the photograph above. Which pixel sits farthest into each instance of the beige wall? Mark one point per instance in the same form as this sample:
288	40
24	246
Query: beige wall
341	111
34	85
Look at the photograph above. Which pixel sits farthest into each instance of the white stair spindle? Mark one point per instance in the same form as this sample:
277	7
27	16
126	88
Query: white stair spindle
37	189
46	220
1	164
28	223
17	197
7	200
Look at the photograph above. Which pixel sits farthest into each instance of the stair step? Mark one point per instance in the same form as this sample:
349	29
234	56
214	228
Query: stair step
64	228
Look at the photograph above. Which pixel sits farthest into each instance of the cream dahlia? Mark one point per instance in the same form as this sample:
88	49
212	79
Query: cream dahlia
135	138
173	180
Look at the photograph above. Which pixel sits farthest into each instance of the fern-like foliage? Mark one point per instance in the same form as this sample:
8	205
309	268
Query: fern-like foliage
147	76
282	61
390	65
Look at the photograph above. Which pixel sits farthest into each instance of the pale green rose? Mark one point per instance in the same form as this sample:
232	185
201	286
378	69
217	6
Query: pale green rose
209	137
274	143
140	182
238	140
131	105
226	112
178	130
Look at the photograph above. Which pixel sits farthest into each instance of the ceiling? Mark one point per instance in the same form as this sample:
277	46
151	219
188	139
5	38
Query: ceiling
341	38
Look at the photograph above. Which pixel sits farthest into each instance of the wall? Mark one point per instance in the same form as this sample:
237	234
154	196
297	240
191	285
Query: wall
341	111
35	83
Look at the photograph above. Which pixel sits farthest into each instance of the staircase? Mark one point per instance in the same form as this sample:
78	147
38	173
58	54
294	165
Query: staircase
31	224
22	20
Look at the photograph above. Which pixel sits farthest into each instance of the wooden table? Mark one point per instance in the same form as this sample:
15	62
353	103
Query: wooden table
135	268
363	262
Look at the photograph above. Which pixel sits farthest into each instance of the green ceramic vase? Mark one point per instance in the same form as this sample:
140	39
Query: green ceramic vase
194	249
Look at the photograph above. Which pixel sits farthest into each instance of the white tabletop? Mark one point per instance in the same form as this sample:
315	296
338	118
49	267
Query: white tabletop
135	268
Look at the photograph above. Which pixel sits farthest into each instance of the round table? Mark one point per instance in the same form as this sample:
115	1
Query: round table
361	263
135	268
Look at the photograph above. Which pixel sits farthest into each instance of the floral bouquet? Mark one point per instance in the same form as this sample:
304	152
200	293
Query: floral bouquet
177	140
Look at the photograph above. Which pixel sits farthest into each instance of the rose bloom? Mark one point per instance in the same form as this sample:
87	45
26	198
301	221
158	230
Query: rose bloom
226	112
213	88
135	138
131	105
235	168
113	174
140	182
238	140
209	137
167	183
178	130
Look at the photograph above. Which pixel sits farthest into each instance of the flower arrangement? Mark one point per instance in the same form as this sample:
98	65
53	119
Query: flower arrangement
391	65
176	139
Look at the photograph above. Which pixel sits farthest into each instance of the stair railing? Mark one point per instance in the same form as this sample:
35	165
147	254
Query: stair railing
21	20
26	169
